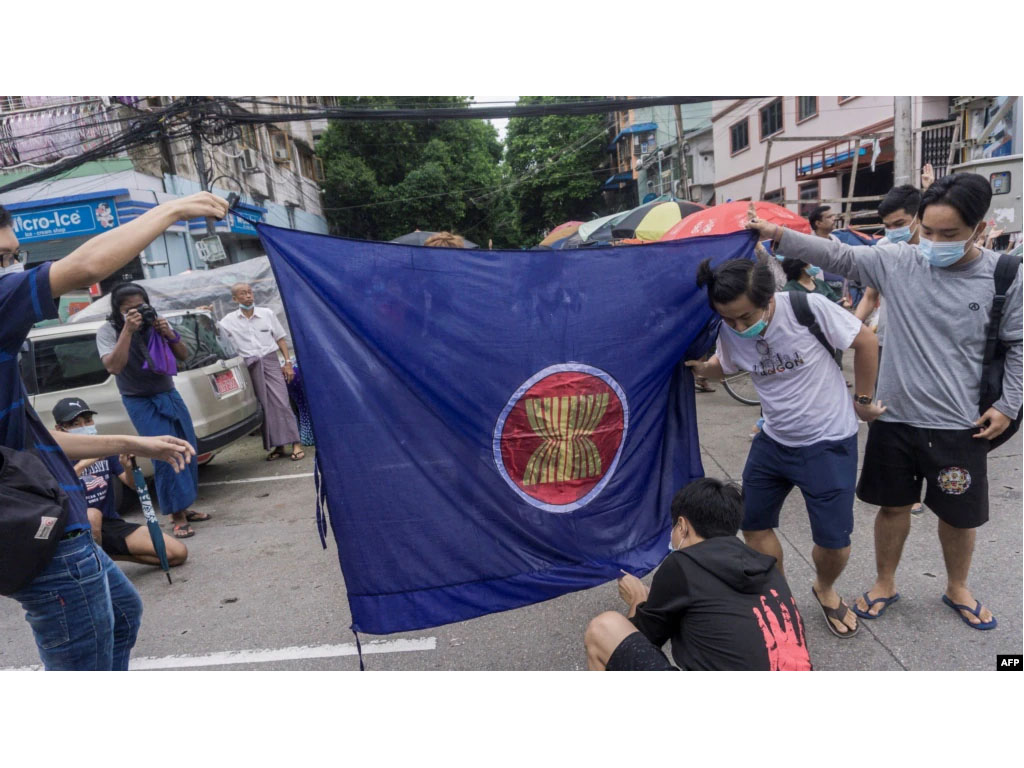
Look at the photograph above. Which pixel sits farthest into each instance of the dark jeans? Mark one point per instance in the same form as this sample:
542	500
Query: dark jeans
83	611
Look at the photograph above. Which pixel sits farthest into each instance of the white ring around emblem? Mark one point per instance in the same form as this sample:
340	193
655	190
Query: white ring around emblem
523	388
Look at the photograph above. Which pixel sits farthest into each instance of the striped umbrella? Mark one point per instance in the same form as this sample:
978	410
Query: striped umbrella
651	221
561	232
588	229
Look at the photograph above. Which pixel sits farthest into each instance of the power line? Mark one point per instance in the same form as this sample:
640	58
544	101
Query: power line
587	107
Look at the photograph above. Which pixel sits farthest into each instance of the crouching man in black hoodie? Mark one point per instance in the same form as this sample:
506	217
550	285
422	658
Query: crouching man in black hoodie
723	604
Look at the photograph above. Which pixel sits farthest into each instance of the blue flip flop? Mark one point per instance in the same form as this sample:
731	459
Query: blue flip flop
976	610
885	601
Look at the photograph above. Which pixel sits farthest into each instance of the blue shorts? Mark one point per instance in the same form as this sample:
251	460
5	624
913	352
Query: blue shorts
826	474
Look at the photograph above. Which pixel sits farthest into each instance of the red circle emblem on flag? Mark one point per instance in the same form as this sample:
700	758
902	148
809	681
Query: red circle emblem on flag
558	440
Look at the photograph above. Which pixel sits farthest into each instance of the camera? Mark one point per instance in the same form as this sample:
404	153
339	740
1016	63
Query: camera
149	315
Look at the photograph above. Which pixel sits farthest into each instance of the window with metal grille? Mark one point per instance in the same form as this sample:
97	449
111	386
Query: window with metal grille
771	118
775	196
11	103
248	136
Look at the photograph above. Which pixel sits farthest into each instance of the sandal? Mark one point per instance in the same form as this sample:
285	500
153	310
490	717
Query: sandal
298	455
885	601
838	614
183	531
275	454
976	610
701	384
192	516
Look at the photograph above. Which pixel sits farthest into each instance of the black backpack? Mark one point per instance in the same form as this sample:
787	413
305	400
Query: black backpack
33	513
804	316
995	350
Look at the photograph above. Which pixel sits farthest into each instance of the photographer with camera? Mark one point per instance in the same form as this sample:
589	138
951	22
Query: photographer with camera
141	349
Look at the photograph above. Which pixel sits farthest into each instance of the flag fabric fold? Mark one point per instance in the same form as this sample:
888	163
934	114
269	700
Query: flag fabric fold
494	428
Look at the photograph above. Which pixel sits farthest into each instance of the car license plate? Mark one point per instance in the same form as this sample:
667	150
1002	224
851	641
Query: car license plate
225	382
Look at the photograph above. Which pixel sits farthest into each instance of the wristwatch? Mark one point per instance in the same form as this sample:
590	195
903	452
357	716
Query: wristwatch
862	399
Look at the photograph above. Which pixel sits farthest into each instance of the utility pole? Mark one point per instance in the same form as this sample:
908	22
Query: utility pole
210	248
679	150
903	140
197	153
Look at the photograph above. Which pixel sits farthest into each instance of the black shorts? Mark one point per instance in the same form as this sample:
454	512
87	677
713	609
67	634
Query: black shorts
899	457
114	532
638	654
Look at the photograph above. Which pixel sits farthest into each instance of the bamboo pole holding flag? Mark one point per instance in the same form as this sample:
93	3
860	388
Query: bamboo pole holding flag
155	533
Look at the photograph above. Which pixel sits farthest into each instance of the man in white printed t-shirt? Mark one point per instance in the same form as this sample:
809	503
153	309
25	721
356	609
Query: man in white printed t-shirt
809	437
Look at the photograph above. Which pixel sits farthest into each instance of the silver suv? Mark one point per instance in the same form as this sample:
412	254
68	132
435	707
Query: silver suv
62	361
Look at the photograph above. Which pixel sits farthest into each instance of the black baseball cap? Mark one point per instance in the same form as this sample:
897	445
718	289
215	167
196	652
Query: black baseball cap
69	409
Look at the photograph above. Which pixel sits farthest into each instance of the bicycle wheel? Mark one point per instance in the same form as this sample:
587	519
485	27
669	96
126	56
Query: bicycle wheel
741	387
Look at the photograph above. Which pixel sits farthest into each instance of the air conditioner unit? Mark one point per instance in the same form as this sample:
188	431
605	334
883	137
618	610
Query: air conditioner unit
250	160
282	155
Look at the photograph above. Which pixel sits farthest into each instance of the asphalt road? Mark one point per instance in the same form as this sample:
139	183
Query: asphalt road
259	592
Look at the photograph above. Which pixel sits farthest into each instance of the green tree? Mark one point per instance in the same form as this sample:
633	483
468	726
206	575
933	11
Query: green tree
554	167
386	178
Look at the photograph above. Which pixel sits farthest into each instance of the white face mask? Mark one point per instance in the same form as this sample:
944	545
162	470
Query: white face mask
89	429
13	269
670	547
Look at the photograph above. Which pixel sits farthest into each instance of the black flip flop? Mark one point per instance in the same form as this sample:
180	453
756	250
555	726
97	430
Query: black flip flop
838	614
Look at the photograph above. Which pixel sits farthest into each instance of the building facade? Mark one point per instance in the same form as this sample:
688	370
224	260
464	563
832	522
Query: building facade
644	154
271	166
812	155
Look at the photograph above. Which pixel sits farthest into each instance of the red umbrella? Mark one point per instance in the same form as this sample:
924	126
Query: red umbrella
731	217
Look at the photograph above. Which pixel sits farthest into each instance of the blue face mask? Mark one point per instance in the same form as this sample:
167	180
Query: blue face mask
813	271
246	307
752	331
87	430
943	254
900	234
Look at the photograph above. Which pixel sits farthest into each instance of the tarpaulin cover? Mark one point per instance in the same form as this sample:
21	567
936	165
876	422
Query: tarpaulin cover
495	428
202	287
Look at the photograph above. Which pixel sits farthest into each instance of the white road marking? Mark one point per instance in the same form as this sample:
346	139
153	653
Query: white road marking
258	479
267	655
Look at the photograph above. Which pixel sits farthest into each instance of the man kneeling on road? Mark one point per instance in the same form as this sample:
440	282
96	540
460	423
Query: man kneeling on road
724	605
119	538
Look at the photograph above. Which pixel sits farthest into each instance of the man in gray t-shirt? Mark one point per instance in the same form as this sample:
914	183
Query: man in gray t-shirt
938	294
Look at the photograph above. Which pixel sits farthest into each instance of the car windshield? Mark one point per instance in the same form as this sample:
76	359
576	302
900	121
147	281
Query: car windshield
205	343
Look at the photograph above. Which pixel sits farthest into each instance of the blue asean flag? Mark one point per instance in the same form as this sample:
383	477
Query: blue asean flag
494	428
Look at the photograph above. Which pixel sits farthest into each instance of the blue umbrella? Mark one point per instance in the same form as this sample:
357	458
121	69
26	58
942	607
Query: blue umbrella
155	533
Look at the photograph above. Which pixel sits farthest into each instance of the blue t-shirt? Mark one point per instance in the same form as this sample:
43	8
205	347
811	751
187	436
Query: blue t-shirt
25	299
98	481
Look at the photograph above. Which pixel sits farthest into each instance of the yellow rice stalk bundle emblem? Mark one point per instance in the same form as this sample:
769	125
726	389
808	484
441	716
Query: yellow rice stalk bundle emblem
566	425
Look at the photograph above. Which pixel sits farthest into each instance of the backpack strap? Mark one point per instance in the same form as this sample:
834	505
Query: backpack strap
802	309
1005	272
